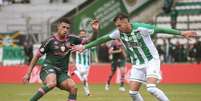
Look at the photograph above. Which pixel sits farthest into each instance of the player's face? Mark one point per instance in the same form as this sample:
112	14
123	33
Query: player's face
123	25
63	28
82	33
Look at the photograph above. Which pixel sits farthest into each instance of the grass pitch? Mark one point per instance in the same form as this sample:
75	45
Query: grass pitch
17	92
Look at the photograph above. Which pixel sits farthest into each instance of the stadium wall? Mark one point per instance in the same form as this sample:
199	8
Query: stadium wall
172	74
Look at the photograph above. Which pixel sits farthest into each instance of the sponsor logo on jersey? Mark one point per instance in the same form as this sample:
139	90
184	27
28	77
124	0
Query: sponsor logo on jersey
62	48
42	49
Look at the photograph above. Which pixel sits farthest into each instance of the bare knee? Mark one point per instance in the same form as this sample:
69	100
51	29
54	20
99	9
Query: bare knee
51	80
134	86
52	84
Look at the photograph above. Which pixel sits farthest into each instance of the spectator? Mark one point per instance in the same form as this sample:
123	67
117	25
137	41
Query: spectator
28	50
169	47
173	15
167	6
192	52
180	53
160	52
198	52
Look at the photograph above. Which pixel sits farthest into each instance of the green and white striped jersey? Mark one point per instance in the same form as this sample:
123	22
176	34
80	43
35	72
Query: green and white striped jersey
83	58
138	44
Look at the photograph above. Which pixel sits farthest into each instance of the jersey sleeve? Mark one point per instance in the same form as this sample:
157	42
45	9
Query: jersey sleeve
153	29
75	40
44	46
115	34
144	29
167	30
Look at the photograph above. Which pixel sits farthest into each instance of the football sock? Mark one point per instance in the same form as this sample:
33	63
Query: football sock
122	81
136	96
73	96
41	91
159	94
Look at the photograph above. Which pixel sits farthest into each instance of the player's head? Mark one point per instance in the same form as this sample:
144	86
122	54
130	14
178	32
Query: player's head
122	23
82	32
63	26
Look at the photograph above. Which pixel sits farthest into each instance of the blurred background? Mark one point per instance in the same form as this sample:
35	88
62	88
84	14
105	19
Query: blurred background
24	24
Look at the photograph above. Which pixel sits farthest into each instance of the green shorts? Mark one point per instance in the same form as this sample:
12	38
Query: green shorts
118	63
61	75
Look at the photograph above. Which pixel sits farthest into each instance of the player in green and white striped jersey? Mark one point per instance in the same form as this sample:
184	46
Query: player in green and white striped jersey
142	52
82	63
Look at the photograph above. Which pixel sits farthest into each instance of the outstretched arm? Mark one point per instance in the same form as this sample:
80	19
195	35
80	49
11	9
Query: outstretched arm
95	26
99	41
174	32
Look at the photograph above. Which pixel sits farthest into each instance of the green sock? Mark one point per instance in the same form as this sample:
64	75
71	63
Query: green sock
73	97
41	91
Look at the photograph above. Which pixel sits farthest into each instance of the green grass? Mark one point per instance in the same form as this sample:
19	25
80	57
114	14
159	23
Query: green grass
17	92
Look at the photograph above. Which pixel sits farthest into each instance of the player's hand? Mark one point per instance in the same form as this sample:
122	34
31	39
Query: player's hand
79	48
188	34
95	25
26	78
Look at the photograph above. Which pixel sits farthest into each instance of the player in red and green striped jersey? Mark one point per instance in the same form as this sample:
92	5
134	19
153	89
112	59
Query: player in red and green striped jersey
118	59
57	49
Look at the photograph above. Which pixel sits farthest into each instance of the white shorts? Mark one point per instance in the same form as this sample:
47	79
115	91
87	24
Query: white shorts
142	72
82	71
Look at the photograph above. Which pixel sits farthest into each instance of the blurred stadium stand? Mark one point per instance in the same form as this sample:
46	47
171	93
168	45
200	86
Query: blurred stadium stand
184	15
34	17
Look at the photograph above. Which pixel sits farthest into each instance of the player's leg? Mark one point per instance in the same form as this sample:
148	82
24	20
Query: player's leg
122	71
113	70
137	77
67	84
153	77
122	88
49	78
85	81
78	72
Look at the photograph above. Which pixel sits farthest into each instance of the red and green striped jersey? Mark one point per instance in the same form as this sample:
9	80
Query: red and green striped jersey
58	51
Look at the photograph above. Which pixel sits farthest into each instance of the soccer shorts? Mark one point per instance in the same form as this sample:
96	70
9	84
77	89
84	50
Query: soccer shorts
82	71
118	63
61	75
150	69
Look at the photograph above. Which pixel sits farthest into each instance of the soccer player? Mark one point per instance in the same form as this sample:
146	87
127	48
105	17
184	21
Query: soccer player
118	58
142	52
82	63
57	49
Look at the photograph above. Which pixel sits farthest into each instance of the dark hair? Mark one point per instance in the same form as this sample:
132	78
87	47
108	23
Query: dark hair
82	30
65	20
120	16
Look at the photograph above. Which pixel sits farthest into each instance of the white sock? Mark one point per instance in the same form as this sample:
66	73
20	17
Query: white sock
78	74
159	94
136	96
86	90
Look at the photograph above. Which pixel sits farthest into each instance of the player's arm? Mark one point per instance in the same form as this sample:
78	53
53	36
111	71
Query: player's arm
103	39
116	51
30	68
123	51
96	42
174	32
42	50
99	41
95	26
